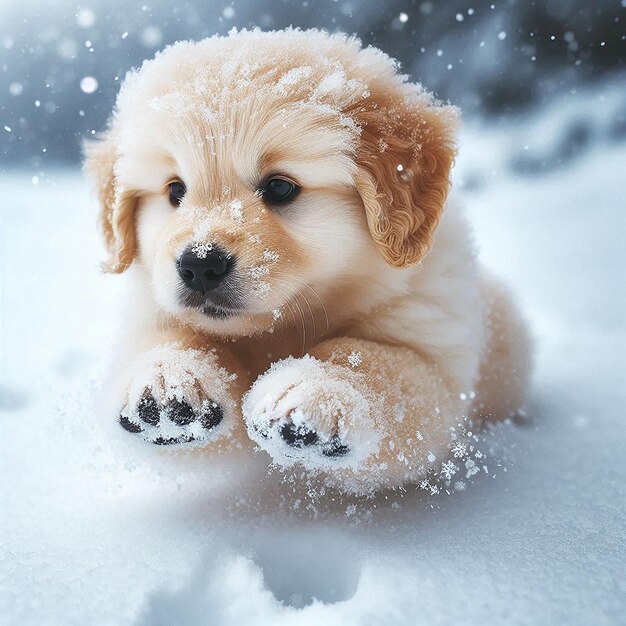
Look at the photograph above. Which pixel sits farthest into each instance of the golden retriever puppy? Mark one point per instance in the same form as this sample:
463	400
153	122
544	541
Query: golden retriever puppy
278	199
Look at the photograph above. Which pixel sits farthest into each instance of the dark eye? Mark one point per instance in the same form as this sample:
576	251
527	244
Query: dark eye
177	192
279	190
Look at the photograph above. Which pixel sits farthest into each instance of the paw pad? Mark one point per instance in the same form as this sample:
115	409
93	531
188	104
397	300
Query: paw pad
175	422
300	437
334	448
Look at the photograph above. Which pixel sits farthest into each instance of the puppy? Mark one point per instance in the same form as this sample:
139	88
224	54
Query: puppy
278	199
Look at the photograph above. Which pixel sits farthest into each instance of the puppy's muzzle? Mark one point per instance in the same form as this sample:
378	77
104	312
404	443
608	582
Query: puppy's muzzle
203	270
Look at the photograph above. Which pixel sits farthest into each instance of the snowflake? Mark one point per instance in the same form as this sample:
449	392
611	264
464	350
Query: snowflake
448	469
257	271
202	249
354	358
277	314
471	468
459	485
459	450
271	255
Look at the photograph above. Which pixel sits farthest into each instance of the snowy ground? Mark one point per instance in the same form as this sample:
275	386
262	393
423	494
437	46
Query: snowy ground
94	530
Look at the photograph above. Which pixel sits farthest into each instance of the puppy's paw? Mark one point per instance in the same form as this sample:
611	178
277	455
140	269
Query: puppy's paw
177	396
172	422
309	412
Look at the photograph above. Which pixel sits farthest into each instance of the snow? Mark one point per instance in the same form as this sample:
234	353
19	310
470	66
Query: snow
97	528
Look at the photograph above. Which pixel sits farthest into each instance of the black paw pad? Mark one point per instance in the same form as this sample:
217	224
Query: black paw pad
212	416
131	427
148	409
180	412
298	436
334	448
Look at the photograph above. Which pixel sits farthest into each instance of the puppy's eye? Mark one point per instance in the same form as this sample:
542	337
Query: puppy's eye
177	191
279	190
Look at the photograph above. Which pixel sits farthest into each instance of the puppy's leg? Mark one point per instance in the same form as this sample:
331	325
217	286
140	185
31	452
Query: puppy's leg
180	392
368	414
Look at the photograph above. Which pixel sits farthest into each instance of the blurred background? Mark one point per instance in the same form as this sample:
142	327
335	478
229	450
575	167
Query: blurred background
62	62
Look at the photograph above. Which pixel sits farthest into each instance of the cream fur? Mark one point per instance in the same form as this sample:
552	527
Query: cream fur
365	272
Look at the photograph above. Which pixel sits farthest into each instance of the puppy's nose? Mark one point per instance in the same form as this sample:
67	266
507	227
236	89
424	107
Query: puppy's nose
203	270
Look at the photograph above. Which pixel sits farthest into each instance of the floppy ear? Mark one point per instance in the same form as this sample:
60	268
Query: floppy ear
117	206
404	159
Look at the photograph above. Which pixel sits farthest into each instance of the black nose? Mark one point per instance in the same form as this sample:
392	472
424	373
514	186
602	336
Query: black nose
203	270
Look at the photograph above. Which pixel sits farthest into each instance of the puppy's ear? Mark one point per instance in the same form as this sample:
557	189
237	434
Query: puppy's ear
407	148
117	206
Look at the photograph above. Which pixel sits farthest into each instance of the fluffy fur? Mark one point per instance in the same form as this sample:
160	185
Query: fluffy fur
366	296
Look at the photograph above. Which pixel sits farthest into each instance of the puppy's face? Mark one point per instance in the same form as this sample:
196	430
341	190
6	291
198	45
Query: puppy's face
251	192
238	231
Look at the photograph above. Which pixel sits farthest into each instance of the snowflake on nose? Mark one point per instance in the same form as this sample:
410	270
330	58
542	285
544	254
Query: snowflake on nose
202	249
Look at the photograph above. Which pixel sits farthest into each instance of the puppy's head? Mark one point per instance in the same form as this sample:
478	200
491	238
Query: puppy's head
245	172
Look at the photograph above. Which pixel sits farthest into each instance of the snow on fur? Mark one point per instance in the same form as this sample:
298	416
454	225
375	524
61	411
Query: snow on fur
306	391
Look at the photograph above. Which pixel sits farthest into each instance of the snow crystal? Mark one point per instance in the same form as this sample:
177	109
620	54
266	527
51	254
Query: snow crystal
459	450
271	255
471	468
355	359
448	469
258	271
403	17
202	249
